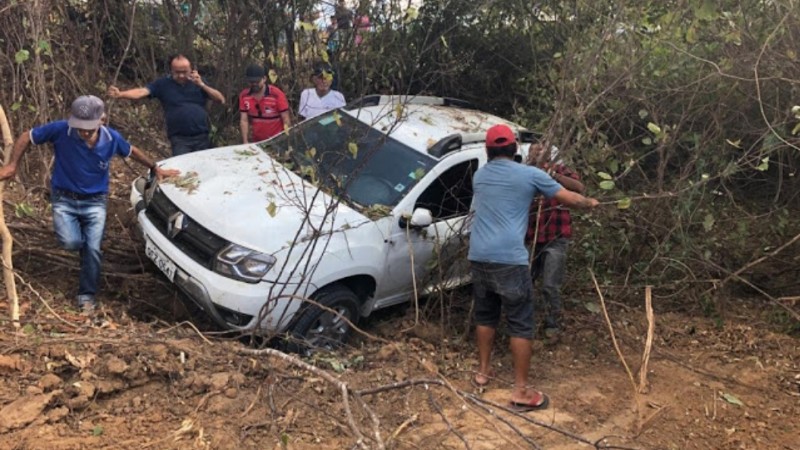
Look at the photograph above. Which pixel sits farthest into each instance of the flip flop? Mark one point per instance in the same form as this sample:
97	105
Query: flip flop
539	401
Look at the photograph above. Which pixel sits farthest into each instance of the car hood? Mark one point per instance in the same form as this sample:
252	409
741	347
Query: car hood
244	196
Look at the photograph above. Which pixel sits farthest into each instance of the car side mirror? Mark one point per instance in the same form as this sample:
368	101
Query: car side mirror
421	218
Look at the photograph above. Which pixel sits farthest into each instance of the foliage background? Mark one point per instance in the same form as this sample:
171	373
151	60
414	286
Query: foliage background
681	109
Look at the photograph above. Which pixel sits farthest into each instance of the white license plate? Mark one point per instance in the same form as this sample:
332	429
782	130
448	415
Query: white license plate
161	261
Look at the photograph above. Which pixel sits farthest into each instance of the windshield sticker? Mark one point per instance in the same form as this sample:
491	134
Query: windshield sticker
399	187
412	175
326	120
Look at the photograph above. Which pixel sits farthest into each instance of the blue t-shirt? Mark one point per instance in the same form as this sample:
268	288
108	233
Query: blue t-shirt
184	106
78	168
504	190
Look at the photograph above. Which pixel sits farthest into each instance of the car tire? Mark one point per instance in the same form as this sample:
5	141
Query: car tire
316	328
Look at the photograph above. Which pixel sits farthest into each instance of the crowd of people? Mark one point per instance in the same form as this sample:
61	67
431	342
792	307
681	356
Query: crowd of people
263	107
520	231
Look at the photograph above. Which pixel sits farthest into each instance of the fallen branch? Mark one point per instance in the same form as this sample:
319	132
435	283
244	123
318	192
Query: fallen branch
343	388
450	427
611	330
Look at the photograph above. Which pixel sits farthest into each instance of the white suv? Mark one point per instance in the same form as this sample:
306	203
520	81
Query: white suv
336	210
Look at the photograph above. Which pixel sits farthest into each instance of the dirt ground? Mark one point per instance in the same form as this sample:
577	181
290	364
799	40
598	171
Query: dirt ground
142	377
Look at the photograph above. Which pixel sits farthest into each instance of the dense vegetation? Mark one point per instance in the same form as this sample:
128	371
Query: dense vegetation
681	115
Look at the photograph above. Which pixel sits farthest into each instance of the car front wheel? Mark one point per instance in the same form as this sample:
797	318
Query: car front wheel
325	327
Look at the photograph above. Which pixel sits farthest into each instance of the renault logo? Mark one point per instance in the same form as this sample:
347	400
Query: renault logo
176	223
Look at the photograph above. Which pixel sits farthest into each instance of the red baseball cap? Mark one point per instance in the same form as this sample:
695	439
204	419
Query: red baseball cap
500	136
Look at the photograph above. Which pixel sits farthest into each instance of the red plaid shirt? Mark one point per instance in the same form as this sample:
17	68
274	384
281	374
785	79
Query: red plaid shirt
554	221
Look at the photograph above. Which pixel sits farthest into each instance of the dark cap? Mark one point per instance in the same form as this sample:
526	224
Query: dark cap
320	67
254	73
500	136
86	113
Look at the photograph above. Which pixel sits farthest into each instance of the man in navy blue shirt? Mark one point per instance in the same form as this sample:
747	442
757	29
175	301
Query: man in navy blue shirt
498	257
79	186
183	95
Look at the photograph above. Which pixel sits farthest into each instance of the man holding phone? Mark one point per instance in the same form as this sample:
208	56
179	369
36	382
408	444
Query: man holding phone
183	95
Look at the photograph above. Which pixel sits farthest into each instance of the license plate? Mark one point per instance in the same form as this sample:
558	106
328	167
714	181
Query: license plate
160	260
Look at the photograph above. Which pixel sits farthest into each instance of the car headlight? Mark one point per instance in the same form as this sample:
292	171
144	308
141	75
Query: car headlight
235	261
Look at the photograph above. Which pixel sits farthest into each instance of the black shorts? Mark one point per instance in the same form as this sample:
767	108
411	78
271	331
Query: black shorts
497	286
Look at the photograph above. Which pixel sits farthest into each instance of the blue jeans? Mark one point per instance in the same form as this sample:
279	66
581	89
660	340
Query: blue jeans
79	222
188	144
550	262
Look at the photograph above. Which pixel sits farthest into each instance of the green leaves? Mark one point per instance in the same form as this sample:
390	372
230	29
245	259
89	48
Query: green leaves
272	209
22	56
764	164
732	399
708	222
23	209
352	147
624	203
607	185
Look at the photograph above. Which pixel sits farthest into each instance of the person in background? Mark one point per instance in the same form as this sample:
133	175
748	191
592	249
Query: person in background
503	191
183	95
263	108
83	148
550	229
321	98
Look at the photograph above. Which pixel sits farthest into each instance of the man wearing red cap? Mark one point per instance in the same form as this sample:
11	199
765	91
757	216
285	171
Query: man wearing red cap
504	190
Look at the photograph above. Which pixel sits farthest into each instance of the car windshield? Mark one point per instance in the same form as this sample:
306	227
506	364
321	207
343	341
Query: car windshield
361	165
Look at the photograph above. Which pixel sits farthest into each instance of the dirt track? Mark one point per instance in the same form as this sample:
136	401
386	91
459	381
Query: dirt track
132	384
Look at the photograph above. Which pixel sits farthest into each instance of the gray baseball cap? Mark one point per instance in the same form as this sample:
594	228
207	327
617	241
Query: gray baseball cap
87	113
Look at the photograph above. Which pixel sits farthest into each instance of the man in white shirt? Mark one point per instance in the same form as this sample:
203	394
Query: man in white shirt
321	98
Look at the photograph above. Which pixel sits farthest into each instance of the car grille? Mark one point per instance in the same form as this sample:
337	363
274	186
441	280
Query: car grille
195	241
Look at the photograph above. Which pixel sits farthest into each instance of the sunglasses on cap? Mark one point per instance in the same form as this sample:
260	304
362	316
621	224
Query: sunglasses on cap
319	72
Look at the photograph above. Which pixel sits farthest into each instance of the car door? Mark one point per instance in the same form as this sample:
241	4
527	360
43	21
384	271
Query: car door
438	251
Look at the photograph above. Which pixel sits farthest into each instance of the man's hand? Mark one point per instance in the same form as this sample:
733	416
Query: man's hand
113	91
165	173
196	78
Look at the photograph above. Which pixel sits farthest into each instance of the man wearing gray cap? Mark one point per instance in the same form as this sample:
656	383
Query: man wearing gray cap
83	148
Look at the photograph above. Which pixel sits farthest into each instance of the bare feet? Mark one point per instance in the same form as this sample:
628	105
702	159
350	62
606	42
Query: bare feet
481	379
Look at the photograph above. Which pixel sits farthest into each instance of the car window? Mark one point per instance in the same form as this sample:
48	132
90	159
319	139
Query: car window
450	195
362	165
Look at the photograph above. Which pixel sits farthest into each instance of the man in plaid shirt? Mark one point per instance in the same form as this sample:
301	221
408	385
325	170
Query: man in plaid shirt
552	236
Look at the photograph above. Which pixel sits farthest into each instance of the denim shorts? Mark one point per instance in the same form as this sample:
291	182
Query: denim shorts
502	286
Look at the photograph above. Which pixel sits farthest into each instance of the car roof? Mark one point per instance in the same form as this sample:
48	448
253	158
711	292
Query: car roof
425	120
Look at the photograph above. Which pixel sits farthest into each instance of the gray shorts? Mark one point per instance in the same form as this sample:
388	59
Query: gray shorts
502	286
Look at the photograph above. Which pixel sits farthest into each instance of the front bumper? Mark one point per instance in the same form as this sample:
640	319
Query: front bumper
232	304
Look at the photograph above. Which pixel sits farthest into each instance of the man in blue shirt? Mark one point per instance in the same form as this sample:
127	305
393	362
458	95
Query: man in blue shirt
183	96
79	186
504	190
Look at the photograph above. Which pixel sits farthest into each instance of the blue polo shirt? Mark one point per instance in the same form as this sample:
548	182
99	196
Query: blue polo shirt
78	168
184	106
504	190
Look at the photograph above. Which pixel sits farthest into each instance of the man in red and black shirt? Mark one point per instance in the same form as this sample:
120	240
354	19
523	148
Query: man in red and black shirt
551	234
262	107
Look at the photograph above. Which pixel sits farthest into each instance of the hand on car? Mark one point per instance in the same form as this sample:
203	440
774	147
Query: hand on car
165	173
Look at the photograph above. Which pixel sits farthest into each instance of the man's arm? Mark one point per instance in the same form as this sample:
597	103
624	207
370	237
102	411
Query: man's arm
20	145
287	120
139	156
568	182
244	126
210	91
130	94
575	200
